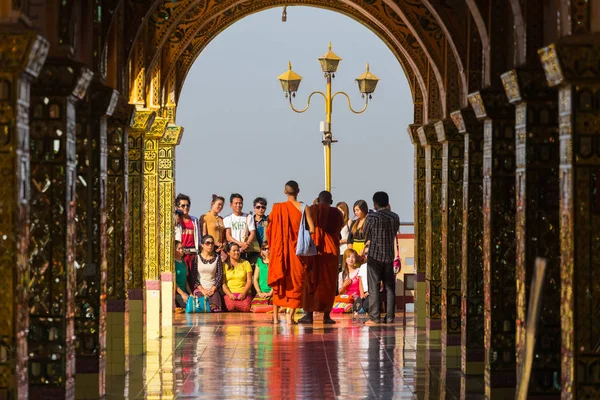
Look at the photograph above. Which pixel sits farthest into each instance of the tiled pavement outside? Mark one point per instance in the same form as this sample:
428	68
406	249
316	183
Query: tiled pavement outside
244	356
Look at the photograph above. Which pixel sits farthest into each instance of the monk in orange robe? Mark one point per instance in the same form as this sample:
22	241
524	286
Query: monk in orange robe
287	271
321	279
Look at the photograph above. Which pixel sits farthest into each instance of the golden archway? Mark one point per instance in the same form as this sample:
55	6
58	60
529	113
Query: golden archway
506	167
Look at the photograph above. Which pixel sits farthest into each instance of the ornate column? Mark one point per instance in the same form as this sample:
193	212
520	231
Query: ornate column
498	241
90	252
150	227
537	219
420	227
451	254
166	175
433	242
24	53
117	238
142	122
472	332
571	65
61	84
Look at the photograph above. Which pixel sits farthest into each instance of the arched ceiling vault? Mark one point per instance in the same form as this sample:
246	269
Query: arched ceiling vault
205	33
178	25
424	45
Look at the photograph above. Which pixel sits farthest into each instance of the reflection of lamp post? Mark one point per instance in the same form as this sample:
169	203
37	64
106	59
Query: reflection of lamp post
290	82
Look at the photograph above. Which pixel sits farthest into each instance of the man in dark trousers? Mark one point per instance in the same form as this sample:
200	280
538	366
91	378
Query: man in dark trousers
381	228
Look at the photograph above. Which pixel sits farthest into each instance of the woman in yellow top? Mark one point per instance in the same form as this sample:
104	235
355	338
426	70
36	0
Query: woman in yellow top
238	280
212	223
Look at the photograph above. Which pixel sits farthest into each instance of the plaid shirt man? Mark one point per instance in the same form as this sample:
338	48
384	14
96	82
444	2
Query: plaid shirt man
381	227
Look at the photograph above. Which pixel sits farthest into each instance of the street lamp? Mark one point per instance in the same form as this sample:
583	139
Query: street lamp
290	82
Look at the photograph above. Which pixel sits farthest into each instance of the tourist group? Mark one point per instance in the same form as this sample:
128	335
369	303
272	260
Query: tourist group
313	258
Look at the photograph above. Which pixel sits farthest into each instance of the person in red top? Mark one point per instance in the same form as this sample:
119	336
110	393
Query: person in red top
187	230
321	278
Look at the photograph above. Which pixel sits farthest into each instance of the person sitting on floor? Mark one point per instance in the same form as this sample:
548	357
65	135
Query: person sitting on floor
182	288
238	280
263	301
348	283
209	274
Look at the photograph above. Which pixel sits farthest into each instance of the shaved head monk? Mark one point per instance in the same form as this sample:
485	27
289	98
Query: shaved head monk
321	279
287	271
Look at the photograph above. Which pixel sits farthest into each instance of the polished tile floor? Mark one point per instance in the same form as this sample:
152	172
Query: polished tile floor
243	356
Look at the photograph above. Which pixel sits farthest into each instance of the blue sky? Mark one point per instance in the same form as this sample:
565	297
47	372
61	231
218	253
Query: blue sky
241	136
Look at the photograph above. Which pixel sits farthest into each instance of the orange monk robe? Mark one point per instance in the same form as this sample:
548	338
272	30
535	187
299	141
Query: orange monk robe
287	272
321	281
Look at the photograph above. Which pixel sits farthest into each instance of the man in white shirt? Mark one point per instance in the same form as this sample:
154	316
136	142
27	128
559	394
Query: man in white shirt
239	226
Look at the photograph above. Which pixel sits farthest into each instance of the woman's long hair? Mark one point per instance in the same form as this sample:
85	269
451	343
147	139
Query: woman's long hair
364	207
345	270
227	249
344	208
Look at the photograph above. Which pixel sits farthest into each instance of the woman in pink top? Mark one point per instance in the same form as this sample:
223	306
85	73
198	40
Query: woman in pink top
348	281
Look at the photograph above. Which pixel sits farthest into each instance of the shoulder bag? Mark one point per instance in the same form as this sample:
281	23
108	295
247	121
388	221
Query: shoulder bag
397	260
305	246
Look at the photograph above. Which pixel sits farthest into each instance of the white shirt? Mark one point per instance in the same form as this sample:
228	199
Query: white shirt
362	274
237	224
344	233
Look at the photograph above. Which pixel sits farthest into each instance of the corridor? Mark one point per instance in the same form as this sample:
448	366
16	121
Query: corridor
231	356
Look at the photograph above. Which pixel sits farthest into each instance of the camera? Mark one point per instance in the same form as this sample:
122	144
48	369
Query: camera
179	212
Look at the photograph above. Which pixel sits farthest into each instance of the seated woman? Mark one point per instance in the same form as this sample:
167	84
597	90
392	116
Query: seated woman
349	289
238	280
209	275
182	288
263	301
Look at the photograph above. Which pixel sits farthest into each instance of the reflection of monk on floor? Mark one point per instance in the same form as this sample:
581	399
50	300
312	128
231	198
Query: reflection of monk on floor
321	278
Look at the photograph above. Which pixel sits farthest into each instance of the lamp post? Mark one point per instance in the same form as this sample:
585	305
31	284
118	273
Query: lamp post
290	82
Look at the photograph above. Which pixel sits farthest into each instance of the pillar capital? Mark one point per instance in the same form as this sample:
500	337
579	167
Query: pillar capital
572	59
143	119
157	129
466	122
427	134
524	84
63	77
23	50
123	113
413	134
488	103
103	99
172	136
446	131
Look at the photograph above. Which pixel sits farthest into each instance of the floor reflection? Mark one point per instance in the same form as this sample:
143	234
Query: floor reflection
228	356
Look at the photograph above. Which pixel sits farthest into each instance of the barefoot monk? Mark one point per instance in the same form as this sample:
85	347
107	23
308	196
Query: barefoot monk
287	271
321	279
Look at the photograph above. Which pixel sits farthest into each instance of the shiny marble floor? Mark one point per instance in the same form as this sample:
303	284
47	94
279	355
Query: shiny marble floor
243	356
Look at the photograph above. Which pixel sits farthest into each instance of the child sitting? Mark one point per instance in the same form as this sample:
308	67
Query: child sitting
349	289
182	287
263	301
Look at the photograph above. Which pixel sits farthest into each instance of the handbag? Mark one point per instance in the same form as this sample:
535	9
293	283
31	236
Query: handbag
254	247
397	260
198	304
305	246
